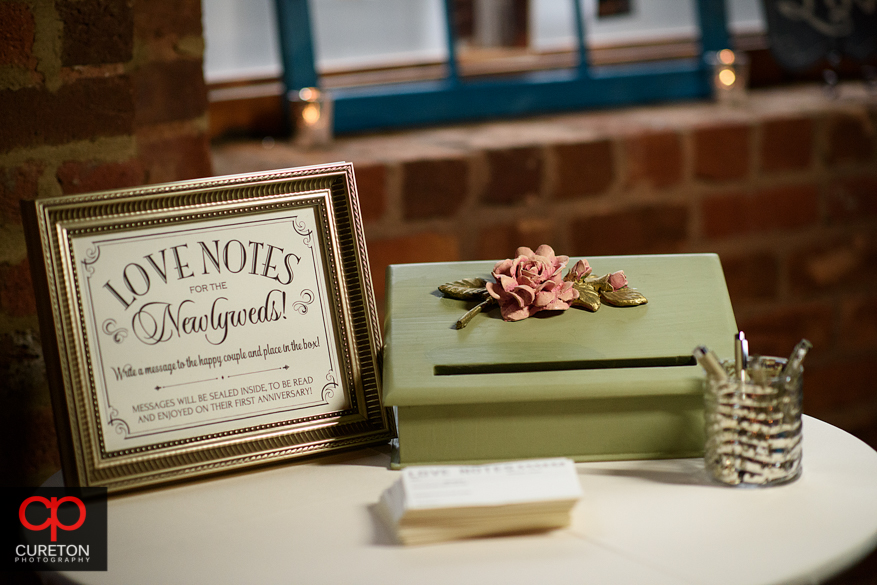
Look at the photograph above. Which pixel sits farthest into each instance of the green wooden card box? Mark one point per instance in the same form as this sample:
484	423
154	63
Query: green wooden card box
619	383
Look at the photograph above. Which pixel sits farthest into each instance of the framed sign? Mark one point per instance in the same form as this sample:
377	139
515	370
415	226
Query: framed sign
207	325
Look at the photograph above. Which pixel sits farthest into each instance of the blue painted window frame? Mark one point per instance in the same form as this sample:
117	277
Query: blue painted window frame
456	99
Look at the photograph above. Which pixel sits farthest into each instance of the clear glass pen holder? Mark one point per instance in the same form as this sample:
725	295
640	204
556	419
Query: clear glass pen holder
753	426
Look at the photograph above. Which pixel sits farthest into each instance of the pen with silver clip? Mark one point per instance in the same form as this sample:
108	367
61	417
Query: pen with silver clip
795	364
710	363
741	356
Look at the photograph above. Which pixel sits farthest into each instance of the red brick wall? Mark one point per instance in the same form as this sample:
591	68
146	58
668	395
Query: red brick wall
94	95
783	188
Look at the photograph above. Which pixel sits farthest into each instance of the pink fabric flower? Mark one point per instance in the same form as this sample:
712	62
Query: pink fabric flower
530	283
618	280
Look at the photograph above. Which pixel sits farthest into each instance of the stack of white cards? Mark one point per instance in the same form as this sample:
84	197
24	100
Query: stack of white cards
447	502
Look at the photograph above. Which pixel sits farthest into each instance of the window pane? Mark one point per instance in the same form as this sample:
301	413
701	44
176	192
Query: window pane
649	20
746	16
241	40
350	34
552	25
551	22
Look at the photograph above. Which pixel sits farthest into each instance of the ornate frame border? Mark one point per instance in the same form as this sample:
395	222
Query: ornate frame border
51	225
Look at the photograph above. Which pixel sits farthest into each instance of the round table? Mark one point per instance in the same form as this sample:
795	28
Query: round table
657	522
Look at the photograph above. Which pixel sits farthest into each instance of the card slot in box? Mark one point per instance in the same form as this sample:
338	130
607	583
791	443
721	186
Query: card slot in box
604	364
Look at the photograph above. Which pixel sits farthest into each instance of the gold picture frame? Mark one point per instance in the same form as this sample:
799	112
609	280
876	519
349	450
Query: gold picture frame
206	326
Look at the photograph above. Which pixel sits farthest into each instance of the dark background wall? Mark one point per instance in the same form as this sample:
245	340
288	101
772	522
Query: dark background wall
94	94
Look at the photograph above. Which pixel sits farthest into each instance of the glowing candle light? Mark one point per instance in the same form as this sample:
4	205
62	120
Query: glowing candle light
311	114
730	72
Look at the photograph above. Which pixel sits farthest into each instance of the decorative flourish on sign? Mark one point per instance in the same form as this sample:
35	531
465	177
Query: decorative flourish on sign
301	307
91	256
328	392
533	282
118	333
119	425
301	228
